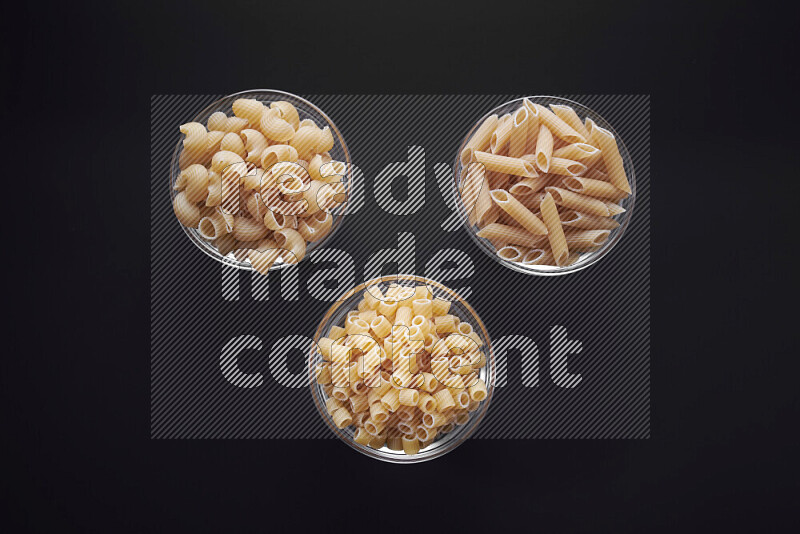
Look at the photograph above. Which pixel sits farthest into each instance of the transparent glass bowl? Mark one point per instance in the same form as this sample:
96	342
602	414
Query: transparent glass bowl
443	444
587	258
306	110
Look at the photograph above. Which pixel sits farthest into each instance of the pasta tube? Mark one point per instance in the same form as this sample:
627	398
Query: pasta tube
558	127
579	152
533	126
555	235
586	240
520	213
568	115
506	165
501	135
538	256
583	221
604	140
510	234
544	148
395	393
578	202
566	167
480	139
512	253
593	188
475	196
518	140
528	186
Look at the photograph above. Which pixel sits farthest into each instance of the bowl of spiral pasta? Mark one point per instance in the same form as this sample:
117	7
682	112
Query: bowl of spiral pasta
402	369
259	179
544	185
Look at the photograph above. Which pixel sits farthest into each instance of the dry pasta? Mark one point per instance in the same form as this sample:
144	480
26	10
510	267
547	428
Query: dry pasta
542	161
260	184
401	395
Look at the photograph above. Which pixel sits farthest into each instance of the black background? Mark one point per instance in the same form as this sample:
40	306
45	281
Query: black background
724	344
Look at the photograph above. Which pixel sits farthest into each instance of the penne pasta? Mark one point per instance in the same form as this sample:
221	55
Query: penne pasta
566	167
568	115
583	221
596	174
615	167
593	188
475	196
533	126
520	213
557	126
555	232
518	139
512	253
480	140
511	235
501	135
614	209
544	148
571	161
586	240
582	152
538	256
505	164
578	202
529	186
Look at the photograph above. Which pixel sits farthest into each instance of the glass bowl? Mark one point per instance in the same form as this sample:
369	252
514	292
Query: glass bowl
442	444
306	110
586	258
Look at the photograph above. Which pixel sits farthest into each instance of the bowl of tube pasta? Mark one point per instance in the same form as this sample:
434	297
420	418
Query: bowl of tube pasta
401	369
544	185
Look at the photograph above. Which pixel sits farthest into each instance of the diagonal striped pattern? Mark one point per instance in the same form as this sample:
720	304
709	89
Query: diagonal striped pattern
202	312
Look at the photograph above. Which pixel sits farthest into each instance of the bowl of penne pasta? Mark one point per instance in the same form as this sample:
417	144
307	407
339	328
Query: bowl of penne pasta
402	369
544	185
259	179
